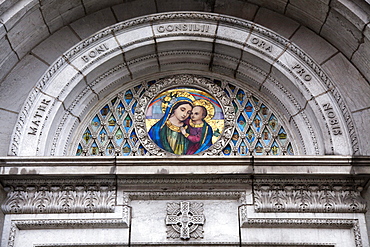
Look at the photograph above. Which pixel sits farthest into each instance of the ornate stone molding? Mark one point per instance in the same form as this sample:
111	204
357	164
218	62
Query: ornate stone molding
74	197
160	195
184	80
63	224
326	196
185	220
30	106
352	224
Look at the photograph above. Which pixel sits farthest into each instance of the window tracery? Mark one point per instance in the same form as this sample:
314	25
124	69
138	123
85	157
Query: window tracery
256	130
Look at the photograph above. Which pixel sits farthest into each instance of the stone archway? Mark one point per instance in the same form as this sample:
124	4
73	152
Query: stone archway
200	43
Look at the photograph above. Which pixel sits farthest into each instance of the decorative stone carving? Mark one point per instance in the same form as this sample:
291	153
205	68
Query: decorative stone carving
62	224
302	223
185	220
328	196
74	197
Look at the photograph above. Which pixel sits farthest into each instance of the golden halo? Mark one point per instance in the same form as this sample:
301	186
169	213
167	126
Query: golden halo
172	95
209	107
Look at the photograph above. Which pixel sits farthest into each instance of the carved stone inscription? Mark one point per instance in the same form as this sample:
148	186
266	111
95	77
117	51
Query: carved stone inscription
38	116
94	52
301	72
183	28
333	120
261	44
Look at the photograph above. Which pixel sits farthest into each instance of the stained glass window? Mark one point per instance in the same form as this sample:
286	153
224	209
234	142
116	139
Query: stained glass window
258	130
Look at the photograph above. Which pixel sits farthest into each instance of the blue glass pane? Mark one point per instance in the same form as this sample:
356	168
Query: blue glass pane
118	137
94	150
258	149
95	123
113	100
235	137
105	111
249	109
232	87
243	149
103	136
264	111
137	88
126	150
86	136
257	123
273	122
79	150
250	136
266	136
128	96
282	136
120	109
275	149
235	107
241	122
111	123
133	107
141	150
240	96
290	150
109	151
227	150
127	123
133	137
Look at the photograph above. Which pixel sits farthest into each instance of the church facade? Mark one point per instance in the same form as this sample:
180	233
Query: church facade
187	123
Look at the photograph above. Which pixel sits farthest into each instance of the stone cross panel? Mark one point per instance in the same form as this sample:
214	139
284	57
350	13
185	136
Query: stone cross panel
185	219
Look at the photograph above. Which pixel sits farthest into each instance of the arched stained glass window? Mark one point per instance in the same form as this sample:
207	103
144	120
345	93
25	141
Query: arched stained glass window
256	128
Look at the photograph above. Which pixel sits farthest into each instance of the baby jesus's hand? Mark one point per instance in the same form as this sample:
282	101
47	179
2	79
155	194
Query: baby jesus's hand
183	131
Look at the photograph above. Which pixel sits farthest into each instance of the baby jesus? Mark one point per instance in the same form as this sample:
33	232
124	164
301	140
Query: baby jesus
198	132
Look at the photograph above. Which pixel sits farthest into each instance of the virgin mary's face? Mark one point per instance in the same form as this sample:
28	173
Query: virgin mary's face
183	112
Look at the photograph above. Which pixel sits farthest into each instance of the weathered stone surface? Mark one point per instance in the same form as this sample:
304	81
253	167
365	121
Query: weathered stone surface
8	58
276	22
92	23
356	12
278	5
315	46
310	14
18	11
55	45
96	5
361	58
236	8
361	120
345	36
345	75
131	9
28	32
182	5
7	121
60	13
16	86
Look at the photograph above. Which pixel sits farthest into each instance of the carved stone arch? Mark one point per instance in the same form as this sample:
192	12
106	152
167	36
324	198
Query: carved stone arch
182	42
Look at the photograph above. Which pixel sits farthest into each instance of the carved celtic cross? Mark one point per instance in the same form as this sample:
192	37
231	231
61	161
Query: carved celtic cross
185	219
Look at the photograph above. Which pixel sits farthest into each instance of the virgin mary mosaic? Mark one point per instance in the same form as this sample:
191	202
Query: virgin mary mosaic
184	121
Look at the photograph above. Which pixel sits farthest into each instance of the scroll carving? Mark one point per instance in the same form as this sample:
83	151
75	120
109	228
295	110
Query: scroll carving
30	199
323	198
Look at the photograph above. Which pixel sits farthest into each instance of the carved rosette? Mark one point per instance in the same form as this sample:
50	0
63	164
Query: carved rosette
185	220
40	198
326	197
191	81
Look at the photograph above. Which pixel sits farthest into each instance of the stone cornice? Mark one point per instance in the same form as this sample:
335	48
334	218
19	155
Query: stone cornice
248	165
